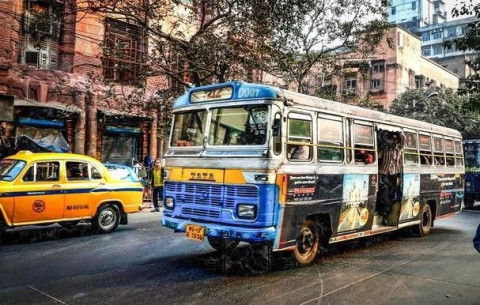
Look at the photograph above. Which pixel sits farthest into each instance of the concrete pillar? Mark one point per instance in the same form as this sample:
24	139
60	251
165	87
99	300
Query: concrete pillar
80	127
153	139
92	127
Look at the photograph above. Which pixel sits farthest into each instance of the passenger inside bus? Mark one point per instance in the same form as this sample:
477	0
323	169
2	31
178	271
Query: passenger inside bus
390	157
362	156
299	152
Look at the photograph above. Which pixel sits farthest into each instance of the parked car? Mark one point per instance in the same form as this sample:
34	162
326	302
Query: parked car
122	172
46	188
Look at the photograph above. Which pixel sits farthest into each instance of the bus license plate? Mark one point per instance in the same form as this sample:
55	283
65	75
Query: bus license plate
195	232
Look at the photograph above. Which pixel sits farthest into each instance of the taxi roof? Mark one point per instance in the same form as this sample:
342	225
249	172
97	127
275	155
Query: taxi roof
28	155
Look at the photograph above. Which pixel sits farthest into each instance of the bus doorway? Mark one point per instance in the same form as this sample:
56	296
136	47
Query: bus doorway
390	175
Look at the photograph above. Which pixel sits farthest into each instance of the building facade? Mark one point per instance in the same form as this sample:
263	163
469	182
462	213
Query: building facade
434	38
414	14
55	72
396	66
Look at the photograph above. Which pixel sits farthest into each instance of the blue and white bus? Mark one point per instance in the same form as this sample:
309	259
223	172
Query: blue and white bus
263	165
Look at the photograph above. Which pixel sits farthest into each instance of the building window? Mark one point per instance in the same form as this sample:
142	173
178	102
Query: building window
437	35
393	10
437	50
426	51
124	47
350	86
378	67
376	84
414	6
451	32
426	36
40	34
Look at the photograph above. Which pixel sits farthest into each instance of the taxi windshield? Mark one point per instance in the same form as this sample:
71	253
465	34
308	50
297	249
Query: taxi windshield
9	169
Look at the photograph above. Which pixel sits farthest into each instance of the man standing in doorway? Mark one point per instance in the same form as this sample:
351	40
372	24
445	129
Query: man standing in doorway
157	184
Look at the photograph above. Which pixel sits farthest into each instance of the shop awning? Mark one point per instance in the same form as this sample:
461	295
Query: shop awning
54	105
118	113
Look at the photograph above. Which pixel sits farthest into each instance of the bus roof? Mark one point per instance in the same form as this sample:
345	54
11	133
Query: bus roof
240	91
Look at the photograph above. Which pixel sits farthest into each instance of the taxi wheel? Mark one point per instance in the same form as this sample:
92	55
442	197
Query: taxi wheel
107	218
216	243
308	242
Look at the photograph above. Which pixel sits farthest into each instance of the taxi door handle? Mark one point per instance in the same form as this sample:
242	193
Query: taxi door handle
56	185
101	183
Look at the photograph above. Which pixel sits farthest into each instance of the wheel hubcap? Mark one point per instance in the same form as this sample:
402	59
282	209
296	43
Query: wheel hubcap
107	218
306	241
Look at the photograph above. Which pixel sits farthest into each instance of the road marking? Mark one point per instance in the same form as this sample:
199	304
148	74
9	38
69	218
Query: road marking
47	295
375	274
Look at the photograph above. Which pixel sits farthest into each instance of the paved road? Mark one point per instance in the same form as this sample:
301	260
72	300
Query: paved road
144	263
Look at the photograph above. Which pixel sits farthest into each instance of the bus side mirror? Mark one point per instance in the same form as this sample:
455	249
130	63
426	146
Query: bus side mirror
276	127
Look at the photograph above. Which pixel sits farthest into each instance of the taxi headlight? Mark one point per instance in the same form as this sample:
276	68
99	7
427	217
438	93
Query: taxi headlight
247	211
169	202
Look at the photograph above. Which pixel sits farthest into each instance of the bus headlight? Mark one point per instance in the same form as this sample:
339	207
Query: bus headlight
247	211
169	202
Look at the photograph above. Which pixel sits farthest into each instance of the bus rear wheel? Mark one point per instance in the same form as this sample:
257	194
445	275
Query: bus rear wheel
425	225
308	241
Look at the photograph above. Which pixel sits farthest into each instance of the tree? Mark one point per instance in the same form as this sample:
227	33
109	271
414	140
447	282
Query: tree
437	106
470	41
320	34
206	41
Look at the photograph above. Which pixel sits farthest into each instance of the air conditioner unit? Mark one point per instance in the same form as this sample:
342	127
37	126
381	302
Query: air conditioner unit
349	91
43	58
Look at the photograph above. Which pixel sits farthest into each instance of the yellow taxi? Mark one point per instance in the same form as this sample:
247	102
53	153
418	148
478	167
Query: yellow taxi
44	188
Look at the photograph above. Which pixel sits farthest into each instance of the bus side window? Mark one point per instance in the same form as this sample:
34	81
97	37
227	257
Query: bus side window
425	158
425	142
299	139
364	155
330	139
363	149
411	148
458	153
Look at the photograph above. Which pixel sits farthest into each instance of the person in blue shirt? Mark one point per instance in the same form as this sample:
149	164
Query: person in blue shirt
476	239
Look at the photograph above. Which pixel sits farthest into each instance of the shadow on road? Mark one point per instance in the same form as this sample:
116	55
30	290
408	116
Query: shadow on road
30	235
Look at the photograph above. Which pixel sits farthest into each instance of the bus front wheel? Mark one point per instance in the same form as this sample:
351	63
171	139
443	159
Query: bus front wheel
425	224
308	242
219	243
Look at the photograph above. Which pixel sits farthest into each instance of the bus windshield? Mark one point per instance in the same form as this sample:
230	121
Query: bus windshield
189	128
245	125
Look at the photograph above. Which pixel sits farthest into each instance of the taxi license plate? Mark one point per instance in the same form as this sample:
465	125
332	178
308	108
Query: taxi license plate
195	232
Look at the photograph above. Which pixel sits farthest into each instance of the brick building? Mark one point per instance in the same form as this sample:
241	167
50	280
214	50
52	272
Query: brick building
52	71
396	65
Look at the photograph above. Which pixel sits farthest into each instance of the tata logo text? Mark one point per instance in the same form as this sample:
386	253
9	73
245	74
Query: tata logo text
202	176
201	195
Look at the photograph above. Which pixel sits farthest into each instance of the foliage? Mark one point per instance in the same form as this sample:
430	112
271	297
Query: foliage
204	41
367	102
319	35
437	106
470	41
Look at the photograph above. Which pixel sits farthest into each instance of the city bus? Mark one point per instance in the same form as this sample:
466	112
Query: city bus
286	171
472	172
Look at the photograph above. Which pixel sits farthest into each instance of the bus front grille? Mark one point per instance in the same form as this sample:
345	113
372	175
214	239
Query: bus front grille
214	195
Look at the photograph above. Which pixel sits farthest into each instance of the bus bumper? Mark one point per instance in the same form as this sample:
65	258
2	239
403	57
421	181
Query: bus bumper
225	231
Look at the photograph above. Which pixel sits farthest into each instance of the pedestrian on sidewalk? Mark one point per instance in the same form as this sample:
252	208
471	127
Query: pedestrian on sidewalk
157	184
476	239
